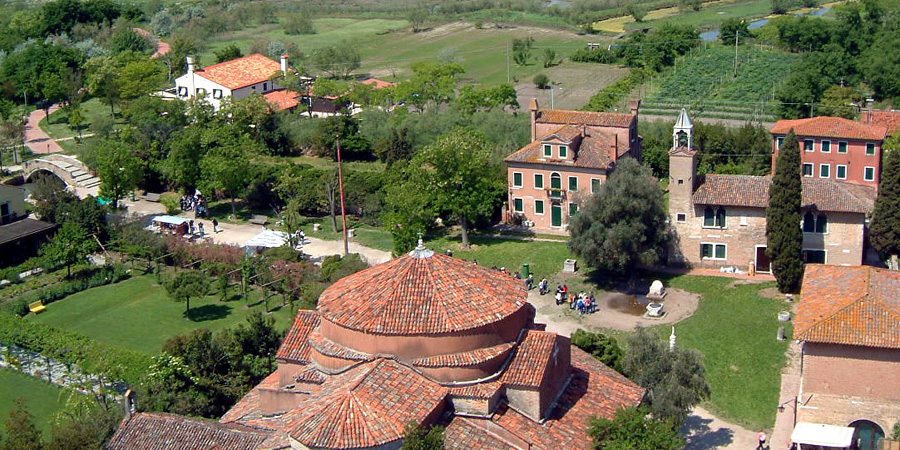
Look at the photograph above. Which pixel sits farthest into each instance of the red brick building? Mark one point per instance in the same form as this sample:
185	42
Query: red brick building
848	321
833	148
570	155
431	339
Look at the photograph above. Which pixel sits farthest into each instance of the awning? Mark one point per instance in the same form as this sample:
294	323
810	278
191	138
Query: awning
822	435
174	220
267	239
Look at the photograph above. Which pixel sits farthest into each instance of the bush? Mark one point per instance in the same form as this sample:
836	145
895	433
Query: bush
541	81
600	55
600	346
172	203
298	24
335	267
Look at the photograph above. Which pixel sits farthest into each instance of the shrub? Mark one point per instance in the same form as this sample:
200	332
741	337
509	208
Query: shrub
600	55
84	280
335	267
541	81
172	203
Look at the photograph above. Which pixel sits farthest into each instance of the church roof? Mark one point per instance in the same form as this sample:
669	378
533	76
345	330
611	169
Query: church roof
422	295
146	431
683	120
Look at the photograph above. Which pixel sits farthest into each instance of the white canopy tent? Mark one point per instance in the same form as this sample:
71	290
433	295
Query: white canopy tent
266	239
822	435
171	220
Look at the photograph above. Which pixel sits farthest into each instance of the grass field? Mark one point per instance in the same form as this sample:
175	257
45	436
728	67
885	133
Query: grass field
138	315
57	125
43	399
735	329
544	258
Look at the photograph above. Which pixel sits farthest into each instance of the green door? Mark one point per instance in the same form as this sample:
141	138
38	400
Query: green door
556	216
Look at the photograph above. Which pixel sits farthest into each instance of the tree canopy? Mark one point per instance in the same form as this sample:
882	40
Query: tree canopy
624	223
631	429
884	232
784	237
186	285
70	245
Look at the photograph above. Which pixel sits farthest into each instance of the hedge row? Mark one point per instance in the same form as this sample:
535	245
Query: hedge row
614	93
87	279
91	356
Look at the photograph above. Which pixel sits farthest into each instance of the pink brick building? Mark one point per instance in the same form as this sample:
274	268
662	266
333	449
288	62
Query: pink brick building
570	155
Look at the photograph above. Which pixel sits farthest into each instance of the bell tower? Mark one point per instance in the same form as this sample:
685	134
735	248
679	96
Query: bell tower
683	134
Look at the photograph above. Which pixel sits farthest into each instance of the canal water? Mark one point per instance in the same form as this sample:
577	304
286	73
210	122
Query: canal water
713	35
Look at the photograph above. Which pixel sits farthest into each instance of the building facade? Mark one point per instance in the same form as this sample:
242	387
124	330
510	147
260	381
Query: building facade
570	155
848	322
833	148
238	78
20	236
720	220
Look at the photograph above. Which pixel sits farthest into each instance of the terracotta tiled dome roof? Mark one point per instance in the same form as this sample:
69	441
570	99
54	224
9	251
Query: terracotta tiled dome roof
422	293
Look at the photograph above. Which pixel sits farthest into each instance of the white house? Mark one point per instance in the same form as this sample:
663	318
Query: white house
238	78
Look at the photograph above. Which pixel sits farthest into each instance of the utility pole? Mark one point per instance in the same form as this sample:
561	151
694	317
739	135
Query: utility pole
343	209
737	35
507	62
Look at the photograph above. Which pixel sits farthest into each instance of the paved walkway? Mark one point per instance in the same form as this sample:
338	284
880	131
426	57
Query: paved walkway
790	390
161	47
35	138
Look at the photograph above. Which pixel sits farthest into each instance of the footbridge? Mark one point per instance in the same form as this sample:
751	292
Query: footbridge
67	168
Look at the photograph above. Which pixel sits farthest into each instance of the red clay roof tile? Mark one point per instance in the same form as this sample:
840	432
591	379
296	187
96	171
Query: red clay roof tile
889	119
295	347
282	99
753	191
596	150
466	359
836	127
241	72
591	118
849	305
529	365
154	431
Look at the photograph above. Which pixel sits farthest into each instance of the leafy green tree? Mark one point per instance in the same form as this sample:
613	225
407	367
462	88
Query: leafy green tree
182	164
338	60
186	285
472	98
549	57
734	30
780	6
521	50
21	432
631	429
84	424
103	81
126	39
70	245
228	53
624	223
840	101
541	81
675	379
50	195
341	128
600	346
884	232
784	238
119	170
139	78
298	24
408	212
416	437
636	11
53	89
693	5
397	147
457	173
417	18
226	168
432	83
881	60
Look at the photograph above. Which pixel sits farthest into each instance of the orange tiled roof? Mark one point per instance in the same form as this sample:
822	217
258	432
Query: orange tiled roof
371	411
466	359
752	191
241	72
594	389
533	356
836	127
173	432
295	347
591	118
411	295
594	150
889	119
849	305
282	99
480	390
328	348
377	84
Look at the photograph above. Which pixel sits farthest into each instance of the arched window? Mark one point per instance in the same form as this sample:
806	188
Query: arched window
555	181
682	137
714	217
868	434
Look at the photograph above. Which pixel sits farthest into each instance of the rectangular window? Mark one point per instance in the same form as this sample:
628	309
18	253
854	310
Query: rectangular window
870	148
824	170
814	256
809	145
808	169
265	86
780	141
869	174
217	93
538	181
841	172
709	217
573	183
539	207
518	205
842	147
595	185
183	91
548	151
573	209
713	251
826	146
563	151
681	218
517	179
201	92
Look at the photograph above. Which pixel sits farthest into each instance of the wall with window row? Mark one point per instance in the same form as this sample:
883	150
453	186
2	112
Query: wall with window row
851	160
535	190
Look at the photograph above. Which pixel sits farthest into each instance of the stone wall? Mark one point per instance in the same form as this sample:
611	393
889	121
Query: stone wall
851	370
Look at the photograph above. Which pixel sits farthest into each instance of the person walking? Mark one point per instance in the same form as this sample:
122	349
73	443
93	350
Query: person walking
200	228
215	226
762	440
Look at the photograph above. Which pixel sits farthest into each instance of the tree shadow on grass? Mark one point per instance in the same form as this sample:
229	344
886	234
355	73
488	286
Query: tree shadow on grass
210	312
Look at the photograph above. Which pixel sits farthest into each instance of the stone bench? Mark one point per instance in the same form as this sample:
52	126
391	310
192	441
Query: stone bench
259	220
151	197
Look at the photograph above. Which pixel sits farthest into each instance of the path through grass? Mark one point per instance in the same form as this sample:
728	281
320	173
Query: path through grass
43	399
138	315
57	126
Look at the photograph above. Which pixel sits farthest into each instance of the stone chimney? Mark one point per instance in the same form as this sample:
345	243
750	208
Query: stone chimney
129	404
634	105
284	64
190	64
533	107
867	115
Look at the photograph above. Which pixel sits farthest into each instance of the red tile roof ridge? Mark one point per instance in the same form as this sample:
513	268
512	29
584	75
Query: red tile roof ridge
531	359
162	430
295	347
826	126
240	72
466	358
482	390
591	118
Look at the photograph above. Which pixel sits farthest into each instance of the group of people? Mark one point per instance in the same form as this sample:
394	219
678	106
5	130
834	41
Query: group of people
584	302
529	280
195	203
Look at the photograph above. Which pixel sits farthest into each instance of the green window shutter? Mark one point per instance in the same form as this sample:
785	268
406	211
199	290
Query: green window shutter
720	218
555	182
826	146
706	250
539	207
517	179
518	205
842	147
538	181
809	222
870	148
563	151
573	209
709	217
720	251
573	183
595	185
548	151
822	224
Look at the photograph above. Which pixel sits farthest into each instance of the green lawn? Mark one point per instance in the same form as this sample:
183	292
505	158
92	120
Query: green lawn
544	258
711	16
58	124
43	399
138	315
735	329
366	235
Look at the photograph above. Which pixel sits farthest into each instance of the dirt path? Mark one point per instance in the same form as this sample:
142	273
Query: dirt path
35	138
161	47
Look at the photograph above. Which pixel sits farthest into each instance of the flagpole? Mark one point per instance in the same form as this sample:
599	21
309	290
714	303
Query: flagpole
343	209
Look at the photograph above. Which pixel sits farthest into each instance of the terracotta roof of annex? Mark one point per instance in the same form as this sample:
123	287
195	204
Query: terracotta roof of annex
753	191
590	118
153	431
835	127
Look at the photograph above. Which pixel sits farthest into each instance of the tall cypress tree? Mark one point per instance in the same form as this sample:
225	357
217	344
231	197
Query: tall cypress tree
783	234
884	233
